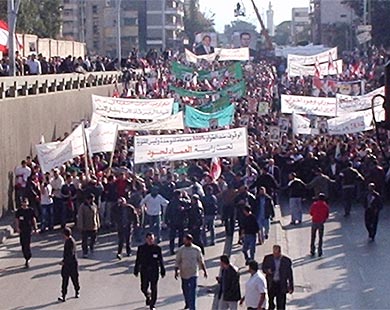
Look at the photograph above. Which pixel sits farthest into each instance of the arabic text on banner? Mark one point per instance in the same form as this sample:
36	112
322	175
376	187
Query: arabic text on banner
183	72
145	109
215	106
295	69
311	60
301	125
346	104
319	106
101	138
198	119
173	122
224	54
223	143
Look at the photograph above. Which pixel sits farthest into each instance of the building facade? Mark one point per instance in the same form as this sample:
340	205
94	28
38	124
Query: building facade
144	24
300	25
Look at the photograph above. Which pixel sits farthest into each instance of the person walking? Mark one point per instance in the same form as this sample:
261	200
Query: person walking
319	212
297	192
349	177
149	263
47	204
279	275
189	260
128	218
210	206
196	220
69	266
229	285
264	212
250	229
372	205
255	289
88	222
25	224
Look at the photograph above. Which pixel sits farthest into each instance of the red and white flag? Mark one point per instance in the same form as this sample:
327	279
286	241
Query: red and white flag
330	63
4	34
215	168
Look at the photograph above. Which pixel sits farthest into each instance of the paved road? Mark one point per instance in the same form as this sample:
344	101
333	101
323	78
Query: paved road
106	283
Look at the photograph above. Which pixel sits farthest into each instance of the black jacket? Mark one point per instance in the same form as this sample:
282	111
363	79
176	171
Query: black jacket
250	225
176	212
200	50
70	258
285	272
376	203
149	260
230	284
269	207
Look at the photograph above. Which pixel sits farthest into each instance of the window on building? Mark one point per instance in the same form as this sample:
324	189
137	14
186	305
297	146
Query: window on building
130	21
95	28
95	45
94	9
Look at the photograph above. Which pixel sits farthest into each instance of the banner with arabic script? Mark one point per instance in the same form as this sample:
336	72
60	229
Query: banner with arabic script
198	119
173	122
101	138
295	69
215	106
223	143
146	109
237	90
311	60
183	72
319	106
346	104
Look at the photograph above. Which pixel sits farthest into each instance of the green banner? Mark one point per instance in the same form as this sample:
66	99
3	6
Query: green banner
237	90
215	106
183	72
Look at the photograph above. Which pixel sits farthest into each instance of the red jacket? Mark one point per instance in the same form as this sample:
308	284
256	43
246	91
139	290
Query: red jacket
319	211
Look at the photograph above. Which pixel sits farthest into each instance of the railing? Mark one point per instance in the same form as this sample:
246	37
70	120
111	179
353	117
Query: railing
11	87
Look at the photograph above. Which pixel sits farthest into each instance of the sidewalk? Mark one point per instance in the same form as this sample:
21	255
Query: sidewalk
6	227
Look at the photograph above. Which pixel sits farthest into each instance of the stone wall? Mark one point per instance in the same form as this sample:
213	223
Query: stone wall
23	120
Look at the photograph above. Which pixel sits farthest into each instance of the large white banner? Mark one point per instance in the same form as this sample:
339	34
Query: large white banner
355	122
346	104
173	122
301	125
224	143
54	154
132	108
311	60
101	138
191	57
296	69
319	106
237	54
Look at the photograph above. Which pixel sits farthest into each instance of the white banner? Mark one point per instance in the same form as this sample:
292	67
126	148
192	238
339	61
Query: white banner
301	125
132	108
346	104
54	154
224	143
319	106
101	138
173	122
311	60
237	54
355	122
296	69
191	57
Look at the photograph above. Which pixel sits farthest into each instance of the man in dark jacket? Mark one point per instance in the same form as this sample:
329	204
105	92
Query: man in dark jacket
349	177
279	275
175	218
264	211
210	207
372	204
126	221
196	220
319	212
297	191
250	229
69	265
150	263
229	291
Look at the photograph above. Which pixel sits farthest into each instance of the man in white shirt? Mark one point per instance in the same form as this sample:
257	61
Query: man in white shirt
46	204
22	173
255	289
56	183
34	65
153	203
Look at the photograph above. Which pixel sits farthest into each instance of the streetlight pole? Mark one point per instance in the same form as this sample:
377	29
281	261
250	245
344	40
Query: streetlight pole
13	8
118	24
163	37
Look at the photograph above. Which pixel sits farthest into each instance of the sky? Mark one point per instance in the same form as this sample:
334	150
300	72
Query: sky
224	14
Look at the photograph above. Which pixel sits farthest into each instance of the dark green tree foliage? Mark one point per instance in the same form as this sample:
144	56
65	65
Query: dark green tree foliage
379	10
39	17
196	22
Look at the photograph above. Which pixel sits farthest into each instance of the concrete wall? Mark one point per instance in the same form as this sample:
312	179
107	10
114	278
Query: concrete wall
23	120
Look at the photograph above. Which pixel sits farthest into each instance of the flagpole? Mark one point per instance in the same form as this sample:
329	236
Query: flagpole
13	8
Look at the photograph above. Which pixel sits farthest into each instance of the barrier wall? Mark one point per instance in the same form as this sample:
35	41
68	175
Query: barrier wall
23	120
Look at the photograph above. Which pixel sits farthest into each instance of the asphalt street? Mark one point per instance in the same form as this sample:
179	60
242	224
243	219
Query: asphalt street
351	274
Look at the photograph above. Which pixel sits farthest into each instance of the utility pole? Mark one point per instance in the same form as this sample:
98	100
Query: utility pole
13	8
163	37
118	24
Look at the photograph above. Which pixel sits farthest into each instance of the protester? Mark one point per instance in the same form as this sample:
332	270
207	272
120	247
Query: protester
255	288
189	260
319	212
69	265
250	229
372	205
25	224
229	285
149	263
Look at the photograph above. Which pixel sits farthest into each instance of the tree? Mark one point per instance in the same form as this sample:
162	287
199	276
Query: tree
238	26
39	17
195	21
378	15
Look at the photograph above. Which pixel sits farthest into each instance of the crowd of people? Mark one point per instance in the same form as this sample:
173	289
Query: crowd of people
184	199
